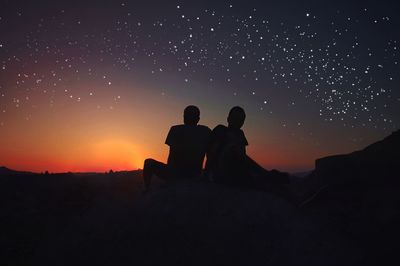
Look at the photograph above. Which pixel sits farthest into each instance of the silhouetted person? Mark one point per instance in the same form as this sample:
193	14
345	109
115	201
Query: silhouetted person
187	148
228	163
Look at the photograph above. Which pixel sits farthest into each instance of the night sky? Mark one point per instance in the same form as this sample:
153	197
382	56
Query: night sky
96	85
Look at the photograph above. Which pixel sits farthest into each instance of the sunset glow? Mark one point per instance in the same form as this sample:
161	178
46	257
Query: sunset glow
96	86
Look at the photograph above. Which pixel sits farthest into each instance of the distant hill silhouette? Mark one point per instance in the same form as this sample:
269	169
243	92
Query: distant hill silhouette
8	171
378	162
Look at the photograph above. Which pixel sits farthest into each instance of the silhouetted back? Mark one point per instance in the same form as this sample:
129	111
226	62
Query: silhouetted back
188	145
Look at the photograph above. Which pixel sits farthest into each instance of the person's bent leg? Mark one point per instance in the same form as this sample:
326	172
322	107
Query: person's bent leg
273	181
152	167
273	176
147	173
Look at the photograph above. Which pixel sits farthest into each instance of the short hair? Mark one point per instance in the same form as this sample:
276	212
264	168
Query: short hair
191	115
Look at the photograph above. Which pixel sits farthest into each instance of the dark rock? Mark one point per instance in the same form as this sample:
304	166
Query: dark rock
376	163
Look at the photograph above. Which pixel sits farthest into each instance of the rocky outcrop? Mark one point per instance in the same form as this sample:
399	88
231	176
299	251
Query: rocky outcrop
378	162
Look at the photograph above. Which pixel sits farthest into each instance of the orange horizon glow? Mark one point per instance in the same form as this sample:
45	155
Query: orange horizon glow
105	164
91	139
108	147
99	156
123	155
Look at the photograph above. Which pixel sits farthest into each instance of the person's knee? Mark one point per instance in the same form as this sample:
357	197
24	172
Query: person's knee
148	163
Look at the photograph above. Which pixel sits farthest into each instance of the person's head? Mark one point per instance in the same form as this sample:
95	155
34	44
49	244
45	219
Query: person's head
191	115
236	117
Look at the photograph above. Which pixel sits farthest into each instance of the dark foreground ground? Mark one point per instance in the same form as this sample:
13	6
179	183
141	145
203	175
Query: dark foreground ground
104	219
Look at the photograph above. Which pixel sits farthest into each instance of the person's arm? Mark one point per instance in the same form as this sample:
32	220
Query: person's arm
239	147
170	141
245	142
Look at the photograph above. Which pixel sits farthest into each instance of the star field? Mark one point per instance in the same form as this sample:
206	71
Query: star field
312	66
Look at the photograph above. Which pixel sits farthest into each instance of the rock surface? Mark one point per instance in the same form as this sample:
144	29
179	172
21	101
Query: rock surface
377	163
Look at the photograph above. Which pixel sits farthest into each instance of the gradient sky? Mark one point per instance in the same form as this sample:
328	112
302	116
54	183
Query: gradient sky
95	86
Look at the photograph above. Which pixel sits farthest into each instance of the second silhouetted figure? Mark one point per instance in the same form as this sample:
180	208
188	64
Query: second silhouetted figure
228	163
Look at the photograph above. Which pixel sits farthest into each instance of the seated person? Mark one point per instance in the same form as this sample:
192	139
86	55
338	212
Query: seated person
187	148
228	163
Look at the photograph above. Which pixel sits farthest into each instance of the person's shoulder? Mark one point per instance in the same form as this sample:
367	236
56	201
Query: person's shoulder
204	128
219	128
173	134
177	127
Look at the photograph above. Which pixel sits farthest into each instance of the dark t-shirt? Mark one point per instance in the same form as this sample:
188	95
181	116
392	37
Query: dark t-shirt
226	153
188	145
